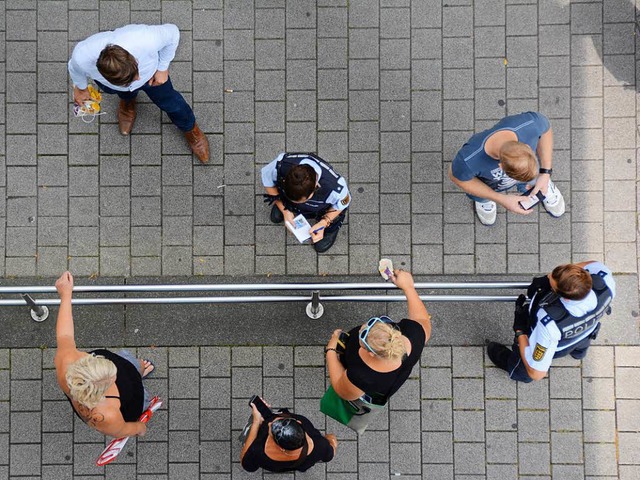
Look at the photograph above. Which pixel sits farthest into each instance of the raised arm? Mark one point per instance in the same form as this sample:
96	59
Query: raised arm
417	309
65	338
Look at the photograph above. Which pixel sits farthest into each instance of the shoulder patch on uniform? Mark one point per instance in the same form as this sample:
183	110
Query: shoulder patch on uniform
538	352
546	319
345	200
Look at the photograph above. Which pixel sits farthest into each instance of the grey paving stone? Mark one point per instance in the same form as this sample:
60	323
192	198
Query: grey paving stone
566	447
114	232
21	241
26	427
600	459
468	393
533	396
468	426
565	383
25	459
309	382
565	415
21	181
469	458
534	458
500	415
502	447
625	356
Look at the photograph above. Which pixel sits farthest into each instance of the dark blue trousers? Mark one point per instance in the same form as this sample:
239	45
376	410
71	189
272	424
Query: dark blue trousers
518	372
166	98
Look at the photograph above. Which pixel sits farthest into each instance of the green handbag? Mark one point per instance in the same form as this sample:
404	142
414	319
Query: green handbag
335	407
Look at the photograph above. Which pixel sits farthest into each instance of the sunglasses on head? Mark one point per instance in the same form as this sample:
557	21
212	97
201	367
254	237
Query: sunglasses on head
364	333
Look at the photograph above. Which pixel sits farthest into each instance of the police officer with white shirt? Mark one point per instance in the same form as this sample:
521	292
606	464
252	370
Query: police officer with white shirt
303	183
559	316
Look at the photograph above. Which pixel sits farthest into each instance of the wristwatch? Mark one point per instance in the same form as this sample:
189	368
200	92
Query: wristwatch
548	171
519	332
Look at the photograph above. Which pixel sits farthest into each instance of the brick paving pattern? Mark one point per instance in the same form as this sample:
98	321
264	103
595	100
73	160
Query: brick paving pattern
453	417
386	90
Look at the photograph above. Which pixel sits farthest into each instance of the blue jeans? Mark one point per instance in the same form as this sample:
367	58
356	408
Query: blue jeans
522	187
166	98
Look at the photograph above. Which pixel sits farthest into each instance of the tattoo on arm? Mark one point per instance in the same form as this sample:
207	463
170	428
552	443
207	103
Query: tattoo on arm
96	419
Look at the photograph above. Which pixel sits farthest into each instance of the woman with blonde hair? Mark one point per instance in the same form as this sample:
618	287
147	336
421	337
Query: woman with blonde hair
105	389
376	358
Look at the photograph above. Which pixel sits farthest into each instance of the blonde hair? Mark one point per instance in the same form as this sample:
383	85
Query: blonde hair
518	161
386	341
88	378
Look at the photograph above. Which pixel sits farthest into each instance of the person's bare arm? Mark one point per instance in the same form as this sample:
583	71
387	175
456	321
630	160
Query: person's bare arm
65	339
338	374
333	441
523	342
112	424
545	154
416	307
253	431
478	188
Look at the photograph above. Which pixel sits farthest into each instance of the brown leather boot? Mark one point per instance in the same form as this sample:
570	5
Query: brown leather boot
198	143
126	116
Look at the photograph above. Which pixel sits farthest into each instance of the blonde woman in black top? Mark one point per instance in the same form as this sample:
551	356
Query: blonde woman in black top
380	354
105	389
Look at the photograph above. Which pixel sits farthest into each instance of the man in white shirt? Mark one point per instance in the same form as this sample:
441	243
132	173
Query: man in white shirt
561	316
133	58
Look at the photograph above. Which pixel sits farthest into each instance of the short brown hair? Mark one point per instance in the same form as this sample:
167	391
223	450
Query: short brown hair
574	282
518	161
117	65
299	182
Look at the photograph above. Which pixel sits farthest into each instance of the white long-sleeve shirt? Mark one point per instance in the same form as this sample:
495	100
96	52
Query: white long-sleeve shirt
153	46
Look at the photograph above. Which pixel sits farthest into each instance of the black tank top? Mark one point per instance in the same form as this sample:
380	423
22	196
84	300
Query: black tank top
383	384
129	383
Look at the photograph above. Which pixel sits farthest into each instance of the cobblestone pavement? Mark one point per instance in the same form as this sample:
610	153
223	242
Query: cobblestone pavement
387	90
453	417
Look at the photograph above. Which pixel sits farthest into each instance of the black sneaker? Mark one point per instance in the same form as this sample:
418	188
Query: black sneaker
276	215
327	241
499	355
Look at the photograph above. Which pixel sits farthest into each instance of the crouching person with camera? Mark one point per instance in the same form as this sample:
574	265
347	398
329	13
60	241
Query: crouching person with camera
281	441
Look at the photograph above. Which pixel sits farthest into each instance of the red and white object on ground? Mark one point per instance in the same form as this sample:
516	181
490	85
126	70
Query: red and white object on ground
117	444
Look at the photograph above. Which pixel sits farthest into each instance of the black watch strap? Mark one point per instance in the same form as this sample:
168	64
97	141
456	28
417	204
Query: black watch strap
520	333
548	171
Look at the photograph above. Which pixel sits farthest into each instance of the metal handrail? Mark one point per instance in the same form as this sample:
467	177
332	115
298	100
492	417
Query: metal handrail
241	287
40	312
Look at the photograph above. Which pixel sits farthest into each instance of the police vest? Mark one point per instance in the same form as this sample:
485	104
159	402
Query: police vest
572	329
318	203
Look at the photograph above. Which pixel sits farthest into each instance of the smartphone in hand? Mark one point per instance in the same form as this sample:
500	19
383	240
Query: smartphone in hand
262	407
528	202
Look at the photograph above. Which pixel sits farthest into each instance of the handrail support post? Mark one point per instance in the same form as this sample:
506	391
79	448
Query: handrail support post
39	313
315	308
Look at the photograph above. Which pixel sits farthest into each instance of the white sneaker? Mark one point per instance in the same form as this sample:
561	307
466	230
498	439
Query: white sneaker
554	201
487	212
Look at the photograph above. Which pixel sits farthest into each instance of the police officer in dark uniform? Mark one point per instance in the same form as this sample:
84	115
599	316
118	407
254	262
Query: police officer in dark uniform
303	183
559	316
